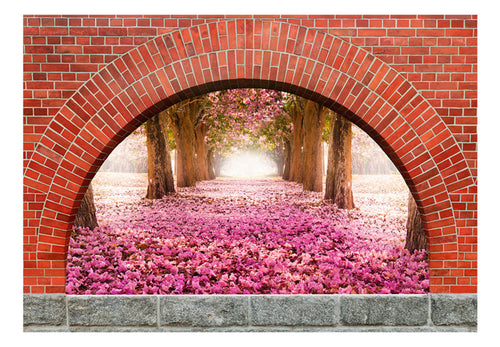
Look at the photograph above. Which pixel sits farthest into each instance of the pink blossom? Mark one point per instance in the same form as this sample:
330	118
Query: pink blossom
242	237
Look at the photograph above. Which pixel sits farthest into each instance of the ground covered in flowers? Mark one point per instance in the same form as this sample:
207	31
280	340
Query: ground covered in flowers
245	236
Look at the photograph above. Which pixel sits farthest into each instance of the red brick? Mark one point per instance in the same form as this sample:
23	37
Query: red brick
459	32
112	31
372	32
431	32
447	78
401	32
83	31
53	31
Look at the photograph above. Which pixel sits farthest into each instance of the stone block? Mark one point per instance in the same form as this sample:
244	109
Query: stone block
294	310
391	310
204	310
112	310
44	309
454	309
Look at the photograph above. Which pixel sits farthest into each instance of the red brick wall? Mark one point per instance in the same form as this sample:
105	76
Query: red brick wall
412	86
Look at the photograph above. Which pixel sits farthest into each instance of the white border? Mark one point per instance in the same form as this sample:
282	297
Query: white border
12	160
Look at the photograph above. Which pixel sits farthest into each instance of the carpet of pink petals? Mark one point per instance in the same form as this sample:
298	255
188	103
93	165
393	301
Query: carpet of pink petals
245	236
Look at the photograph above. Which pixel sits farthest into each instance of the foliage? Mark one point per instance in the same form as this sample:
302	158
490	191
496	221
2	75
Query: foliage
249	119
245	119
326	127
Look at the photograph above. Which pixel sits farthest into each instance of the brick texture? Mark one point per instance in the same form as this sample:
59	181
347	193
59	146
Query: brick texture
409	81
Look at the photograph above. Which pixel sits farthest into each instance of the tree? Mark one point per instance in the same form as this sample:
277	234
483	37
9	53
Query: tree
312	150
286	169
201	149
279	157
86	217
211	164
217	161
295	110
160	178
240	119
339	172
273	138
182	118
415	233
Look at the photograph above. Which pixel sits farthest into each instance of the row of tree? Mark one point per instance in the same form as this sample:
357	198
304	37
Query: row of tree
289	127
205	129
367	158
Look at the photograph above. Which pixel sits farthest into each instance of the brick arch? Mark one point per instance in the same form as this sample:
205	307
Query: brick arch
248	53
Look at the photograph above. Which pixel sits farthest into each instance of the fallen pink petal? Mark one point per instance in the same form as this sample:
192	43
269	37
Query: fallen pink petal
245	236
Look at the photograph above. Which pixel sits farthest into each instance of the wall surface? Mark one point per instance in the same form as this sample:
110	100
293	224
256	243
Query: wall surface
410	81
436	312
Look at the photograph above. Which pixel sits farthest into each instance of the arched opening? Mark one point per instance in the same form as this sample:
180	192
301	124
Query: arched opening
243	233
258	54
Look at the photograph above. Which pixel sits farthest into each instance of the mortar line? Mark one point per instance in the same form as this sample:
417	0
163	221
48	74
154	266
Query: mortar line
158	312
338	310
429	318
249	306
67	310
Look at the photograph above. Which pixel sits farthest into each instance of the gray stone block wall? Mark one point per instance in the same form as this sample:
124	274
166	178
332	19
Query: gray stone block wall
203	311
112	310
385	310
294	310
47	310
434	312
449	309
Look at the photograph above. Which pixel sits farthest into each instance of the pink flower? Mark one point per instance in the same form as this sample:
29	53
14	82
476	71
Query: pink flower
219	237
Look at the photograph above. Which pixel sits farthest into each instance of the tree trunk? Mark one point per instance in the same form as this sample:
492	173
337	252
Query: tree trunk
182	117
339	172
415	234
286	170
178	164
278	155
312	168
160	178
201	152
187	177
296	142
280	164
86	217
210	164
300	177
217	162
